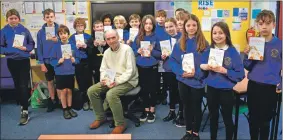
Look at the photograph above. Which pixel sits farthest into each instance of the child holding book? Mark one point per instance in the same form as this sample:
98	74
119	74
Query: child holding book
223	75
64	57
44	47
120	23
147	51
16	44
96	46
82	70
264	77
169	77
134	21
190	81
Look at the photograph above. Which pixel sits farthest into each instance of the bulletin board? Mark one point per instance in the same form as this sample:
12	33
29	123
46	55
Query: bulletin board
32	18
237	18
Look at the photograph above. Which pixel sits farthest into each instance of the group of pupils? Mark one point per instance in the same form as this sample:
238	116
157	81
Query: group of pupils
185	88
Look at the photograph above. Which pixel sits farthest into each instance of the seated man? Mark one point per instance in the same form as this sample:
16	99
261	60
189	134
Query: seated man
120	59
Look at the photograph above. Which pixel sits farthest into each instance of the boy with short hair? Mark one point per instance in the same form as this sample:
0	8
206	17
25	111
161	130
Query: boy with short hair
134	21
120	23
264	78
44	46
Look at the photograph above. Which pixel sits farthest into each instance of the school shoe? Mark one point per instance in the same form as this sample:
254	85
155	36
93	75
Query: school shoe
151	117
50	105
97	123
72	112
170	116
187	136
195	137
144	116
119	129
86	106
24	117
66	114
180	121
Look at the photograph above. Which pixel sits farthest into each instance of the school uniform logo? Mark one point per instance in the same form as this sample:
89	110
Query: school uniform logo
274	53
227	61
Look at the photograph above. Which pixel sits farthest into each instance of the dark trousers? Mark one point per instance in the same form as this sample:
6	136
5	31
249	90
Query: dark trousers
96	74
83	77
20	71
261	103
147	82
172	85
191	98
217	98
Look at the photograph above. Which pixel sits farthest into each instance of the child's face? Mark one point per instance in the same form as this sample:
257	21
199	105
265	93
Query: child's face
135	23
170	28
63	36
218	35
49	19
148	26
119	25
180	24
107	22
98	27
160	20
265	27
80	28
13	20
191	27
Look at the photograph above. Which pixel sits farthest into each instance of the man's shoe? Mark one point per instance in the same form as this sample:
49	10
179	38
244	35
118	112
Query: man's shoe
170	116
24	117
96	124
119	129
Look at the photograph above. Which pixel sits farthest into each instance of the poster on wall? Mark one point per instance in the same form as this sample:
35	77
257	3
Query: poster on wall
205	4
168	5
187	5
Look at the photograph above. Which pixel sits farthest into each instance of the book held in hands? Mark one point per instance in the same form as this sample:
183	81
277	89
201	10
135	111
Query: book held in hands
66	51
49	32
106	28
215	58
80	39
109	76
256	48
165	47
145	45
99	36
133	33
188	62
18	40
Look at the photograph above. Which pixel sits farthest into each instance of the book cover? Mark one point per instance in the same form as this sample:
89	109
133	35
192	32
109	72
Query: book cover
145	48
18	40
133	33
99	36
215	58
165	47
256	48
188	62
49	32
106	28
66	51
120	33
109	76
80	39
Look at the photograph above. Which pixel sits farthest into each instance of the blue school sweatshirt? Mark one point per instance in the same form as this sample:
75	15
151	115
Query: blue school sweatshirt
235	70
267	71
166	65
7	39
176	59
126	35
67	67
82	51
155	53
160	32
44	46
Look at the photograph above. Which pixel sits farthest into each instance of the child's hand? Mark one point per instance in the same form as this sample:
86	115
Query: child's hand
163	56
219	69
54	39
189	74
23	48
150	47
205	67
103	43
129	42
95	43
73	59
140	51
61	60
43	68
247	49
